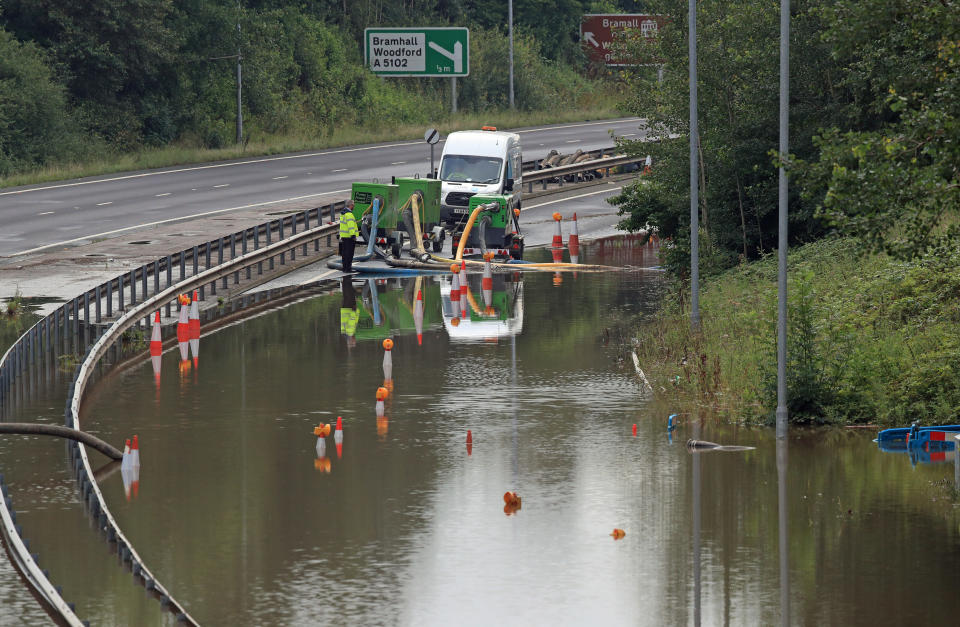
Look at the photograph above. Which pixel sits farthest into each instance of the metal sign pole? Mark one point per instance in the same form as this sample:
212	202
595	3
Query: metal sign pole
782	215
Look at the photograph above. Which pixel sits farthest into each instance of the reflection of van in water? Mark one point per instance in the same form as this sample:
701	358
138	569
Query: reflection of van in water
484	162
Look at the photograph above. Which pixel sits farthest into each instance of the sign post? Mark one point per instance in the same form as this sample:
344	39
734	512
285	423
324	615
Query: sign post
432	136
422	52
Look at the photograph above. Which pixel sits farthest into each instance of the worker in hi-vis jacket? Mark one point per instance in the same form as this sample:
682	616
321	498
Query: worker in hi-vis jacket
348	236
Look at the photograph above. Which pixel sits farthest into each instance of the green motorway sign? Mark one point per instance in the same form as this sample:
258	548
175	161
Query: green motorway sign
417	51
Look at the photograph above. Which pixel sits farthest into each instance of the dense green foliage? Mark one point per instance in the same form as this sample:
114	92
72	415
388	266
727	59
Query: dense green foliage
872	339
111	76
874	95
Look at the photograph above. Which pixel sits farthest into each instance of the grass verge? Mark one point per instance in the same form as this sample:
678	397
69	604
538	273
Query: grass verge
181	154
870	340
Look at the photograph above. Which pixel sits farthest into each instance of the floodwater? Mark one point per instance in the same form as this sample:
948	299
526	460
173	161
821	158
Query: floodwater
246	521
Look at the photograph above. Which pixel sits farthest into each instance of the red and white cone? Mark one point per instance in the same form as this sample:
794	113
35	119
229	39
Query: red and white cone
338	437
156	348
464	288
135	453
194	325
487	283
418	317
557	235
183	329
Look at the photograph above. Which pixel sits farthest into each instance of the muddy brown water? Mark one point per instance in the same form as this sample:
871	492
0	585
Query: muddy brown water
245	522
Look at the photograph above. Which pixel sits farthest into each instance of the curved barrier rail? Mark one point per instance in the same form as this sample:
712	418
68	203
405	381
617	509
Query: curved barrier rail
88	321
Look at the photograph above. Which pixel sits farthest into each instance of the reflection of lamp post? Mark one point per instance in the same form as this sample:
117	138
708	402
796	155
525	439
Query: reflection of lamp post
696	528
784	537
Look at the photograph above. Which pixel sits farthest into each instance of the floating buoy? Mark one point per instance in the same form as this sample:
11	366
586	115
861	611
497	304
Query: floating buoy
618	534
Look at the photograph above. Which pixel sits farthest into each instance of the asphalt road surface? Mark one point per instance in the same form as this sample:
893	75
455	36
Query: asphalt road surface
37	217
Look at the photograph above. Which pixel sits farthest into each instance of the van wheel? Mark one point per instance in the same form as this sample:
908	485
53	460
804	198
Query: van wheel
438	242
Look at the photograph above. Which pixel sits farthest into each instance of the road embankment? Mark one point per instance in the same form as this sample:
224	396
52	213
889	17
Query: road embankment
871	340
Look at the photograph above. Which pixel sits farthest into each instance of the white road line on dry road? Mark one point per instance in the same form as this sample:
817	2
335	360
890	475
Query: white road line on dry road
268	159
398	163
278	178
162	195
46	213
222	185
340	170
573	141
104	204
552	202
187	217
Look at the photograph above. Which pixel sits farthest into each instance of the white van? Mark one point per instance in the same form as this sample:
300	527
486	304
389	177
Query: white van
478	162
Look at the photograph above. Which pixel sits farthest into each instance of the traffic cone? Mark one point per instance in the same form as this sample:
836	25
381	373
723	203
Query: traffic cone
464	288
194	327
648	165
322	462
387	359
156	349
183	330
574	238
135	453
557	235
125	460
487	283
338	437
418	317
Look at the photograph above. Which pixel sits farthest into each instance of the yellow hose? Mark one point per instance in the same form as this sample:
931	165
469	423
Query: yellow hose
466	231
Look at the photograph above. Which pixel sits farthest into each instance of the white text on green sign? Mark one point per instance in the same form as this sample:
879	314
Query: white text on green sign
417	51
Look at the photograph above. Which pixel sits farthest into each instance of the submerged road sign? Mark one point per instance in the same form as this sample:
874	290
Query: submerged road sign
417	51
619	39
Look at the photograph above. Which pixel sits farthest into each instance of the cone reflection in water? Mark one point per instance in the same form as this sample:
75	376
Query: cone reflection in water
418	317
156	349
131	481
455	293
557	236
322	462
469	443
387	359
338	437
486	283
183	334
383	423
194	328
557	254
135	452
574	242
125	460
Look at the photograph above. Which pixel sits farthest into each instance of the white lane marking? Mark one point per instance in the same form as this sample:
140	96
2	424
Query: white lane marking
222	185
46	213
398	163
278	178
340	170
268	159
319	277
104	204
573	141
551	202
628	135
162	195
188	217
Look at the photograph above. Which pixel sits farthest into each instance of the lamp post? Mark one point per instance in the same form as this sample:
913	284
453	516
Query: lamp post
782	216
510	30
694	199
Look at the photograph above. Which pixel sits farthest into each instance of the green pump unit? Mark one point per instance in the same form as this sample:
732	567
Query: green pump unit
363	195
430	191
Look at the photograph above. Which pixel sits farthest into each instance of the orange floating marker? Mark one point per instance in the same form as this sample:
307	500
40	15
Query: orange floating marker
322	430
387	359
618	534
511	503
381	396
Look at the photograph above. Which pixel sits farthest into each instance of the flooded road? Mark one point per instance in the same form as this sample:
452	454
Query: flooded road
246	521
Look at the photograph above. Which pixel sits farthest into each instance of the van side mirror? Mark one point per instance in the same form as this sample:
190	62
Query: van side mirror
508	186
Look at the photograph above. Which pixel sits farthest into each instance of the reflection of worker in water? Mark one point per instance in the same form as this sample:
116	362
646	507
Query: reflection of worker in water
348	235
348	312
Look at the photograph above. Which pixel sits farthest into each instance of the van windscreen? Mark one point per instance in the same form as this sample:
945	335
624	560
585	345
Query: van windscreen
470	169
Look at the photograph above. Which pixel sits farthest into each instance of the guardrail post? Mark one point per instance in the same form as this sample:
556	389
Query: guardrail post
183	265
156	276
97	307
86	312
233	255
110	298
133	288
169	278
269	229
293	231
243	250
283	256
222	243
143	280
119	293
256	246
